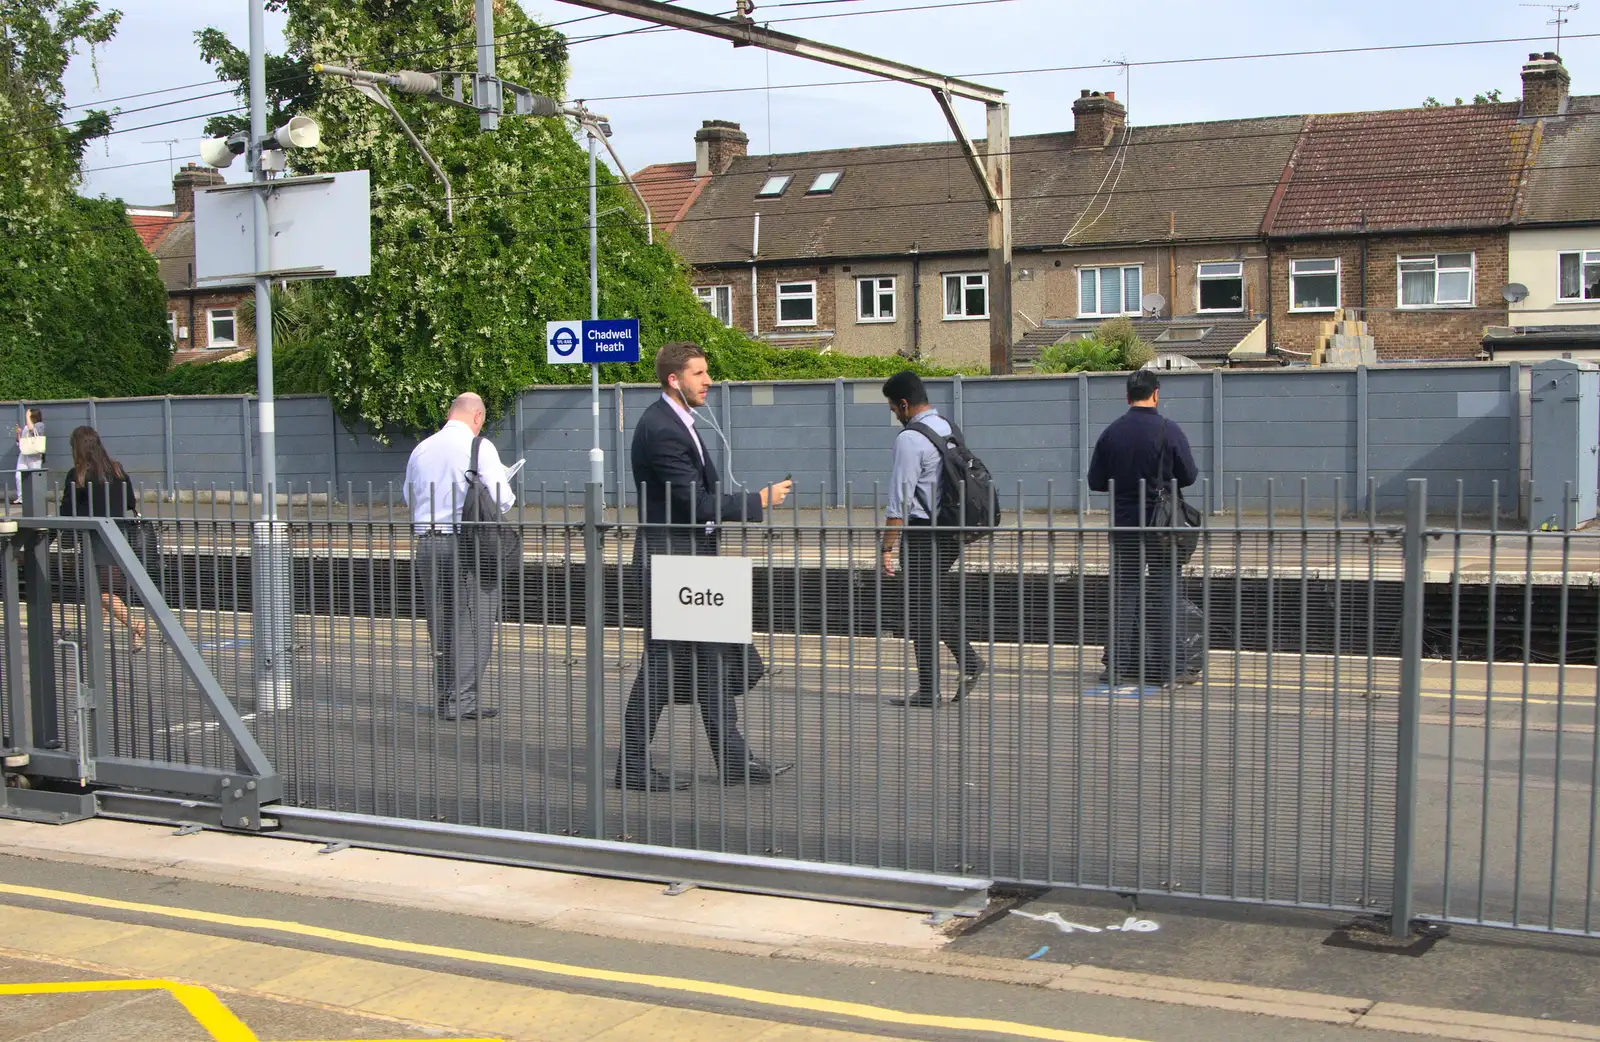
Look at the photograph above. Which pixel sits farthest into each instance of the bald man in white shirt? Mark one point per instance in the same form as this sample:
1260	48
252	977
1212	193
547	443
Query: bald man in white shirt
462	611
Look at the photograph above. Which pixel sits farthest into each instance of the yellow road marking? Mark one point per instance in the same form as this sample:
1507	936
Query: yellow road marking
202	1004
782	1000
207	1010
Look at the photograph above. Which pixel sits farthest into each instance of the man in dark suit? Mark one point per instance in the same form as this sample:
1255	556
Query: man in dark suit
1137	454
679	486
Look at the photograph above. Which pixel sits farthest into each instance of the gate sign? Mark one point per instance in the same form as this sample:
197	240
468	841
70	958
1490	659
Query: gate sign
592	342
709	599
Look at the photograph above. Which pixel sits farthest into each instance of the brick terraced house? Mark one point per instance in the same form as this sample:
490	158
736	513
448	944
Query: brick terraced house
1231	242
205	321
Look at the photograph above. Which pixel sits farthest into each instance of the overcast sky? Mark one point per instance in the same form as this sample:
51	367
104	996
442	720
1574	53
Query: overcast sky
155	49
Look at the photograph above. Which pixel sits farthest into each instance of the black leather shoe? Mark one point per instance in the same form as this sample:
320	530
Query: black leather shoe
655	781
756	772
914	701
969	682
476	713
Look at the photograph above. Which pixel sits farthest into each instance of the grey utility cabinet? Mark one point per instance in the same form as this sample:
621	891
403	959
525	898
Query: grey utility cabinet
1564	408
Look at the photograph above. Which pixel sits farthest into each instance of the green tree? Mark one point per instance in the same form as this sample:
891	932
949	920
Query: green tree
1113	347
451	307
82	309
1488	98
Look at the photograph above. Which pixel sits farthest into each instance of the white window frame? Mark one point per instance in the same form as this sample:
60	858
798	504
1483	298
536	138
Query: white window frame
1417	258
1586	259
1338	284
781	296
1122	282
212	314
825	182
709	299
1201	278
172	326
774	186
965	280
882	286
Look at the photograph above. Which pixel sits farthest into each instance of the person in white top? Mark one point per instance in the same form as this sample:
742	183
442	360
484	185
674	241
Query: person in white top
462	612
29	460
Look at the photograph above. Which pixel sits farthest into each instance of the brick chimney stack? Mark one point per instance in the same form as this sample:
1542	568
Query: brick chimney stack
1545	85
716	145
1097	118
187	180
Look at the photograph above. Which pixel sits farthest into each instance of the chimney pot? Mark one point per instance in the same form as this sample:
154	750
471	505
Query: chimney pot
1111	94
716	145
1545	85
1097	118
1083	94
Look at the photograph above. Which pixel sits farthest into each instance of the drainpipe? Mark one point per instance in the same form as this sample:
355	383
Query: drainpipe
1270	280
916	302
1365	242
755	287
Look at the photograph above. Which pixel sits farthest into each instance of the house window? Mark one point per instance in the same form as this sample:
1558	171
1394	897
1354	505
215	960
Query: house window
825	183
966	295
718	300
172	326
1104	292
222	327
1580	276
797	303
775	186
1436	281
1314	285
875	300
1222	286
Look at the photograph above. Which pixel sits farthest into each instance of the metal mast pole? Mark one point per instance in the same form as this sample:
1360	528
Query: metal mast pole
272	606
258	131
593	565
597	455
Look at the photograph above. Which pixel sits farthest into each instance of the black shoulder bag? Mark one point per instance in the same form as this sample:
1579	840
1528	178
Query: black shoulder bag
1172	513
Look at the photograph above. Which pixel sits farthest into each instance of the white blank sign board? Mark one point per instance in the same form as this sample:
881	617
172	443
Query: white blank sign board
710	599
320	227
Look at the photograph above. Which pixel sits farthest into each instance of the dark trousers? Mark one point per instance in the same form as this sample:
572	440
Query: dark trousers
710	675
933	602
461	616
1142	609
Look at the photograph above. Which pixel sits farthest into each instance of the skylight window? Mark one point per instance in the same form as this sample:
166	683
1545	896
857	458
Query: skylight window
775	186
825	182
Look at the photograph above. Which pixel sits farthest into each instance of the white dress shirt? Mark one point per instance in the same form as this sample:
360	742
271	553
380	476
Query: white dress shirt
687	418
436	477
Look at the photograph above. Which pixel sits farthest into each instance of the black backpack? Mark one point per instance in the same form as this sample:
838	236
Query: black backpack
490	547
963	480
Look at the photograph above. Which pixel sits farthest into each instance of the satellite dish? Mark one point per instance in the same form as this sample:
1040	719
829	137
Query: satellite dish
1152	303
1514	293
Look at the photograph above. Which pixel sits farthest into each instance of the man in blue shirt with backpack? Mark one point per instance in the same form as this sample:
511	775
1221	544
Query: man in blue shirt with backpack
911	538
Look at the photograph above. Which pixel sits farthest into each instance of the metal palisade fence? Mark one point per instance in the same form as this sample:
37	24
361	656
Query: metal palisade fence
1316	709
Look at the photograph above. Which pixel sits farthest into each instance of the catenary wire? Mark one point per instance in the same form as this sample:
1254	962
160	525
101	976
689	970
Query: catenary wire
1377	48
517	54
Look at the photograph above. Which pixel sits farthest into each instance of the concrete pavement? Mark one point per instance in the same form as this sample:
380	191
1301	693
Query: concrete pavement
470	964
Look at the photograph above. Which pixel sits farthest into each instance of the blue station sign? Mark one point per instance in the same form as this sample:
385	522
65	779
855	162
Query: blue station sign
592	342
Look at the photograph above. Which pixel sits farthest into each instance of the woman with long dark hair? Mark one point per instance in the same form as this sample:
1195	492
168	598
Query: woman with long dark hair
98	486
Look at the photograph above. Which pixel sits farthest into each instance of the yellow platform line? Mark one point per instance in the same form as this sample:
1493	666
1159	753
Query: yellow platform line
202	1003
687	985
207	1010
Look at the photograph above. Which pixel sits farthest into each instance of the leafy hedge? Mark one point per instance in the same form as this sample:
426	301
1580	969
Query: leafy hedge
82	308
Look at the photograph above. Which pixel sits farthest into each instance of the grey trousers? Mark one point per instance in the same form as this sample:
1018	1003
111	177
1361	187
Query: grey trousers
461	621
